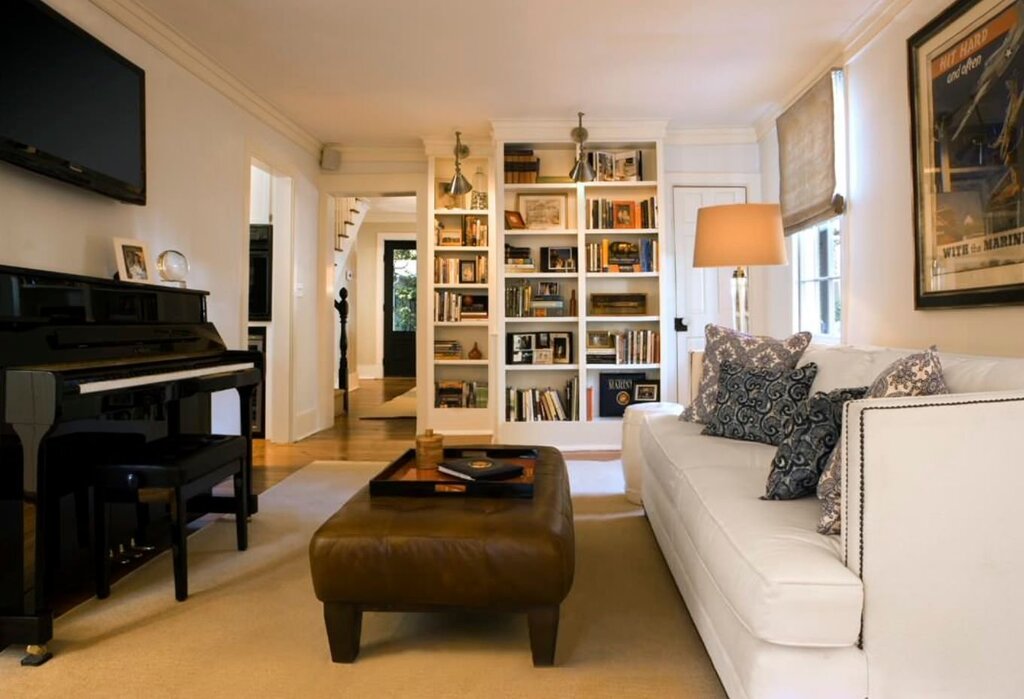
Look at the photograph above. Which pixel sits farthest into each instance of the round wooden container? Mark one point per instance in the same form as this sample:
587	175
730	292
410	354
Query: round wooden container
429	450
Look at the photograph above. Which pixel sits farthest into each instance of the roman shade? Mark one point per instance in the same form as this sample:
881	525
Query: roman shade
807	156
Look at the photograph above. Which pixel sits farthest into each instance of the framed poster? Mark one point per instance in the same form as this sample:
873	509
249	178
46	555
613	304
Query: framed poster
543	211
966	121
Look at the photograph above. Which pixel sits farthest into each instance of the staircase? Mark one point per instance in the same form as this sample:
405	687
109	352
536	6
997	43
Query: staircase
349	213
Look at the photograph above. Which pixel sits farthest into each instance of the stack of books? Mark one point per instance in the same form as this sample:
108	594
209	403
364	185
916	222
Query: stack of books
623	256
521	301
447	349
521	166
460	394
543	404
519	259
617	166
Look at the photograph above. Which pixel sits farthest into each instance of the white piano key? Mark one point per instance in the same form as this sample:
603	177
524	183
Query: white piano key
148	379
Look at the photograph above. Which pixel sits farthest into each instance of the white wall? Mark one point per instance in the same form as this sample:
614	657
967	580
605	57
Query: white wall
199	145
880	299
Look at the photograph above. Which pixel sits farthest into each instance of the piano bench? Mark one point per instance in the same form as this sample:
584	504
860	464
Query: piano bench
189	464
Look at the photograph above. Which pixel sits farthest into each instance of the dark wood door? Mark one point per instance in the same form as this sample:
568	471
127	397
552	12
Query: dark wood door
400	308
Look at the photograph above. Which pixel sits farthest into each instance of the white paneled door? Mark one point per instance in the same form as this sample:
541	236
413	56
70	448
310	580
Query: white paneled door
702	295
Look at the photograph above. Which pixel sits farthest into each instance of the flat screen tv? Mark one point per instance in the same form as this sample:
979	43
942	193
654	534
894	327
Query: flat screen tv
70	107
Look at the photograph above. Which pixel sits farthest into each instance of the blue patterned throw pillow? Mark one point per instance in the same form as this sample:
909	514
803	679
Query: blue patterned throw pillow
758	405
804	451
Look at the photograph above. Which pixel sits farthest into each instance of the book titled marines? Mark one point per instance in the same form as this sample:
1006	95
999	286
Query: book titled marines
616	392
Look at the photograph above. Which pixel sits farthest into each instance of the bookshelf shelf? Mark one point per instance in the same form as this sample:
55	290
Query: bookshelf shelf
460	212
540	275
461	323
591	186
609	232
623	319
542	319
461	286
623	367
541	187
542	367
528	232
438	249
623	275
462	362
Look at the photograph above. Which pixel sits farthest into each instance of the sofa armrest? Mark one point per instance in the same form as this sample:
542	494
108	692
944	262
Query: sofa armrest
931	493
634	428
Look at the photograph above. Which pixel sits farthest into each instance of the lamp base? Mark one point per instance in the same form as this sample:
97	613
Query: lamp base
740	309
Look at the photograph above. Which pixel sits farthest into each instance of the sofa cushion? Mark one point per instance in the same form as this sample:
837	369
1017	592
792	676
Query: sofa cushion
758	405
801	457
841	366
722	343
784	582
918	374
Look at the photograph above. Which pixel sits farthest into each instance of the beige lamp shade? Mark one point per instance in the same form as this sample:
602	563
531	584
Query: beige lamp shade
737	235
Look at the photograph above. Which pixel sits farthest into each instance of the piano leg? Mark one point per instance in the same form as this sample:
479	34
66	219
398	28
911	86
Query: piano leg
245	397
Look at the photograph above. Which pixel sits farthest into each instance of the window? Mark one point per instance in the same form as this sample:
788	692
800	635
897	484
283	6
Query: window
818	300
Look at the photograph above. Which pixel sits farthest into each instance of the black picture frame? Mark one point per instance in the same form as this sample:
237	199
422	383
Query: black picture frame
968	218
467	272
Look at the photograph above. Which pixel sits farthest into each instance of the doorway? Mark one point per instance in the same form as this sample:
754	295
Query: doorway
399	331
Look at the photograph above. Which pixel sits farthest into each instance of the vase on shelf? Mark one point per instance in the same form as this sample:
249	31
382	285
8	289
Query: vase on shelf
475	353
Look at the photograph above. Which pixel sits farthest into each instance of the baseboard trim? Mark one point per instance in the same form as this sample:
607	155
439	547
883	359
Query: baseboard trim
371	371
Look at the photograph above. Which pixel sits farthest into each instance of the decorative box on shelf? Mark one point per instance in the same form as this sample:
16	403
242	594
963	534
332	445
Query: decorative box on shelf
618	304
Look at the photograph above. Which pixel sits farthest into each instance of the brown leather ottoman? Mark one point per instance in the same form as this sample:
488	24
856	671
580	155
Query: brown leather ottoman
448	553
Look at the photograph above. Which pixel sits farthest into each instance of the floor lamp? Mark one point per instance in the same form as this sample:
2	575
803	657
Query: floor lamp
739	235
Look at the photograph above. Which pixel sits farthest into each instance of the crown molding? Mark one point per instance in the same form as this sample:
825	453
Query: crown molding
854	40
711	137
180	50
381	153
557	130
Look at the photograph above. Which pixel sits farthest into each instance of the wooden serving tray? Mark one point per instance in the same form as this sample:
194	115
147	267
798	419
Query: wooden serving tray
402	478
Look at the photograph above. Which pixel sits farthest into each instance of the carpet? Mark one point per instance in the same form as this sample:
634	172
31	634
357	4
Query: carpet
398	407
252	626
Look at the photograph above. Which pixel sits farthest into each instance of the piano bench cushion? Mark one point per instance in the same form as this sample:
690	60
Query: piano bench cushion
172	461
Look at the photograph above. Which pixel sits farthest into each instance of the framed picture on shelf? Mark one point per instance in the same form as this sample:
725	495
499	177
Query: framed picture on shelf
514	220
646	391
467	272
134	263
625	214
444	199
543	211
561	348
543	356
449	237
543	341
600	339
966	121
547	288
520	348
603	163
558	259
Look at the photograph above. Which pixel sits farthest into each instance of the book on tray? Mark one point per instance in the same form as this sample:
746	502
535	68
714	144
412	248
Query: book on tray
480	469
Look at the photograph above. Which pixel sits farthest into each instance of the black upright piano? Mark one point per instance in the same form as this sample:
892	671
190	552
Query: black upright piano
102	359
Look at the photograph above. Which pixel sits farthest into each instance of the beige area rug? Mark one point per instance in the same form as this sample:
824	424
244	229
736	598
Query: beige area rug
399	406
253	627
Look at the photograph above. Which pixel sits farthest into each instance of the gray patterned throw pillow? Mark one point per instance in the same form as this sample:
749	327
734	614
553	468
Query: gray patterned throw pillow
803	452
917	374
723	344
758	405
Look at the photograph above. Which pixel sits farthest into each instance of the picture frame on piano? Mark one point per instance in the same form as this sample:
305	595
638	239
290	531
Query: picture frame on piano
134	263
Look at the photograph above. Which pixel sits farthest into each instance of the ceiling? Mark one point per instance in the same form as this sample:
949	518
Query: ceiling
362	72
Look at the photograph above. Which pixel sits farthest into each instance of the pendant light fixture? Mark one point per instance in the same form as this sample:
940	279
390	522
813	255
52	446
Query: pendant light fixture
581	171
459	184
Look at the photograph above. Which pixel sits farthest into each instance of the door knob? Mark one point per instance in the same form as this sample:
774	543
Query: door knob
680	326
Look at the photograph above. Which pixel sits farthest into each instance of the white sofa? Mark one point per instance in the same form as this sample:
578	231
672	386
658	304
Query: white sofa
921	596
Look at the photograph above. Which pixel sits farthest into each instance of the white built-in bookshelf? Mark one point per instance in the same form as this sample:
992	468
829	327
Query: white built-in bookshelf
459	265
564	215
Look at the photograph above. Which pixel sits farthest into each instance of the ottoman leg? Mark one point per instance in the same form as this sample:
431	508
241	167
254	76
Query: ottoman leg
344	624
543	635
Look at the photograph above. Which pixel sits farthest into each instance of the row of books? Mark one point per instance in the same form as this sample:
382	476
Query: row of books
521	166
452	306
619	213
627	347
519	259
447	349
452	270
543	404
521	301
623	256
460	394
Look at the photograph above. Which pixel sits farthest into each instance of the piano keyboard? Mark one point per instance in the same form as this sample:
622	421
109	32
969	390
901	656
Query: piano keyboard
148	379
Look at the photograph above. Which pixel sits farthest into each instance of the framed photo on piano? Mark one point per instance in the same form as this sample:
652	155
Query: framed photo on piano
134	263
